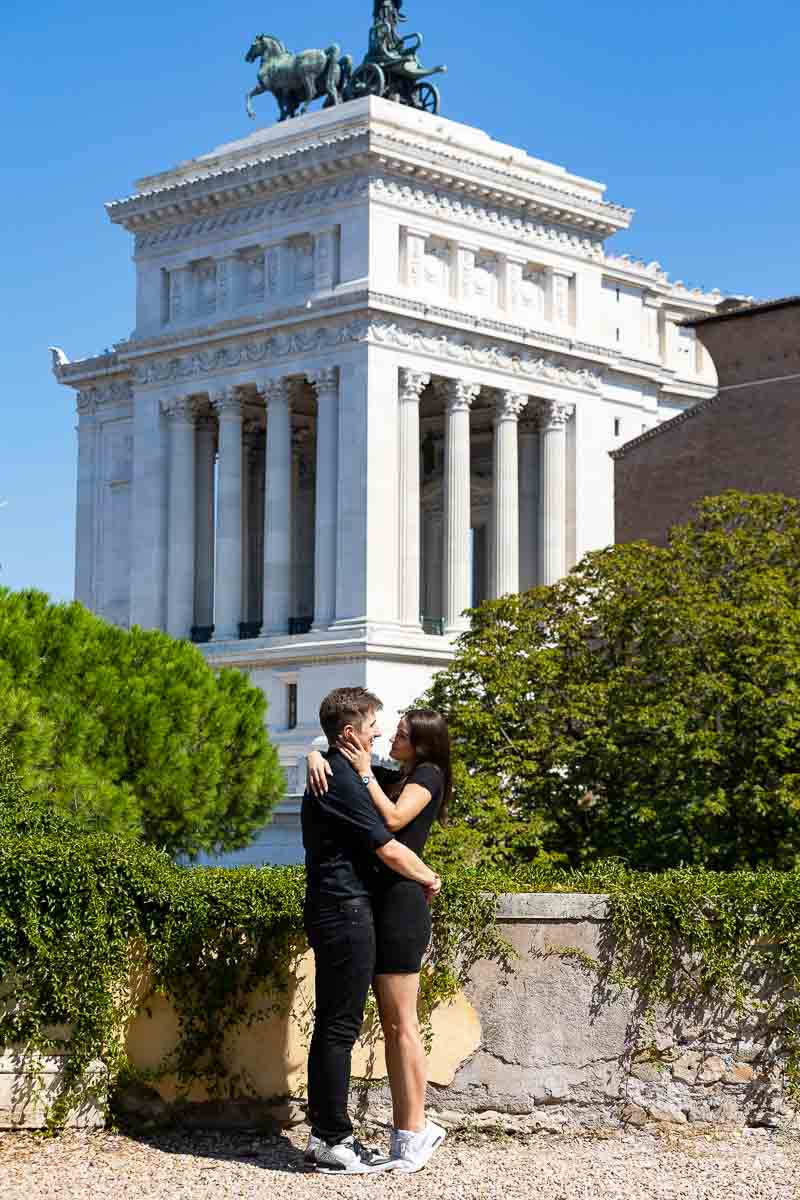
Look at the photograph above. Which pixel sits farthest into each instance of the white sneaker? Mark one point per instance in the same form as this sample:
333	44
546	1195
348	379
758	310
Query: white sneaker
347	1158
411	1151
311	1147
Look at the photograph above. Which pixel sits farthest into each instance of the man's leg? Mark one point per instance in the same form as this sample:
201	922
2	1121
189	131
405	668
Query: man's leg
342	937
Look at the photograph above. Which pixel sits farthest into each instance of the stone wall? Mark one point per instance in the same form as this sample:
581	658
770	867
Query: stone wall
544	1046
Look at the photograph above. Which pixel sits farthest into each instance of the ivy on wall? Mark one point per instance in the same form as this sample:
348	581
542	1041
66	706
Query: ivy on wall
83	916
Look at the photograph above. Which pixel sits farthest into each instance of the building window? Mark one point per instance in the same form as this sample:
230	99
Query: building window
618	333
616	426
291	705
617	290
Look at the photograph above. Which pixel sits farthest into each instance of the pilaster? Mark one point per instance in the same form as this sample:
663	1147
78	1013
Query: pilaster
86	508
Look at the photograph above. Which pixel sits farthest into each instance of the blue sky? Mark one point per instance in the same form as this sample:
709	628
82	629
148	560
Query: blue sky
686	110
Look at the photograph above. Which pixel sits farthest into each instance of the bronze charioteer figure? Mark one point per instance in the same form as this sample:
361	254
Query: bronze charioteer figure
390	68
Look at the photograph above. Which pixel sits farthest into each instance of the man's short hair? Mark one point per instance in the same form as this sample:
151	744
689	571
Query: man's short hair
346	706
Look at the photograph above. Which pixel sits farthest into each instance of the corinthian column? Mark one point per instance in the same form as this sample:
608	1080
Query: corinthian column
181	516
553	421
205	450
504	576
326	384
228	573
411	385
529	470
278	510
456	585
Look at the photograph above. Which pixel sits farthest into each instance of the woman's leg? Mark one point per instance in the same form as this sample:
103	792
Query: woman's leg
405	1053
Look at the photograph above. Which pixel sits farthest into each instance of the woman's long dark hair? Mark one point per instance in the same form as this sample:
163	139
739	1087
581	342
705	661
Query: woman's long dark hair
430	741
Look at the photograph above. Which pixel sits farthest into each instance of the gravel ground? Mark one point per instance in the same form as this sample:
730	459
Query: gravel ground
749	1164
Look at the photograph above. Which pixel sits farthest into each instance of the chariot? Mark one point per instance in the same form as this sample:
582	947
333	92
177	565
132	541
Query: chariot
392	70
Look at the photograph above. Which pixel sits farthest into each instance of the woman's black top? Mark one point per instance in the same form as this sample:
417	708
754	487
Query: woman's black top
415	833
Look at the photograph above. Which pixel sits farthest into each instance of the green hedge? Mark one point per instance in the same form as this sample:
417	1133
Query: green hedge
79	913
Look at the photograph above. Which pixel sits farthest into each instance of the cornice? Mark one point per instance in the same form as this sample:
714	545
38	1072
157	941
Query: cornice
209	189
379	187
637	271
484	176
516	182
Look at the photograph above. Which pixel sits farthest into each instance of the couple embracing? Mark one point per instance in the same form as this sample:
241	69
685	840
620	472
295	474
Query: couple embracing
367	917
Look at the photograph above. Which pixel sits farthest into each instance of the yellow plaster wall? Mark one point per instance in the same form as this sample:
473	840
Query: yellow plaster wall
269	1056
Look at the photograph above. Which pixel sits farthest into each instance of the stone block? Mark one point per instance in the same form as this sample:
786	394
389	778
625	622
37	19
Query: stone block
685	1068
634	1114
29	1086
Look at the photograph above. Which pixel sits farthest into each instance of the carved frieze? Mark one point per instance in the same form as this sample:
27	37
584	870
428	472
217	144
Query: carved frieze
405	335
90	400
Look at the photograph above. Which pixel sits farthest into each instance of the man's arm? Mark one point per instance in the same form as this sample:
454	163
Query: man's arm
405	862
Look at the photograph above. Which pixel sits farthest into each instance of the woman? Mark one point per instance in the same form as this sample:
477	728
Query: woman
409	800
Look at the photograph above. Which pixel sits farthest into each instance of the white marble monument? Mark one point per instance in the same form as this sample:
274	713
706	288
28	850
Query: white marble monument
378	365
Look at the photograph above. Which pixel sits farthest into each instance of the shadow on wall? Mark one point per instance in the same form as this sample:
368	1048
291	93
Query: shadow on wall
266	1054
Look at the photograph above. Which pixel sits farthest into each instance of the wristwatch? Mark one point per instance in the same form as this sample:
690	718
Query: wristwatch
367	780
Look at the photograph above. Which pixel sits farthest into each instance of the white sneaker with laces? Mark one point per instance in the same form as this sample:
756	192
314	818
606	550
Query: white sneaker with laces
347	1158
410	1151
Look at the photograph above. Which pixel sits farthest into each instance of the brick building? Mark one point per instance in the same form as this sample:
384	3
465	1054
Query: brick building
746	437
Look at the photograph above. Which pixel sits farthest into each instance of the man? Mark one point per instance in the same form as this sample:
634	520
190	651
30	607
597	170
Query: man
344	837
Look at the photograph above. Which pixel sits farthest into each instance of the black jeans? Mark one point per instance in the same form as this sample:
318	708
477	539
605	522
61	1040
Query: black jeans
342	935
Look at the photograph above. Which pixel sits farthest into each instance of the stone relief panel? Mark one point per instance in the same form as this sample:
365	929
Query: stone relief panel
532	291
486	281
437	266
205	287
302	256
252	276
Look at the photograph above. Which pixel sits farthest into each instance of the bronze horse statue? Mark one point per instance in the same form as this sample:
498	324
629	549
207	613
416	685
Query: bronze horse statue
297	79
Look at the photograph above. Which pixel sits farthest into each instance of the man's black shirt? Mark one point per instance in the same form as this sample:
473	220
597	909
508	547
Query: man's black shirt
341	832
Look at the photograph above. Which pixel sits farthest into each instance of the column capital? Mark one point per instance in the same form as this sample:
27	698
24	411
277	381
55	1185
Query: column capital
509	405
226	402
324	379
412	383
459	395
85	403
179	409
275	390
554	414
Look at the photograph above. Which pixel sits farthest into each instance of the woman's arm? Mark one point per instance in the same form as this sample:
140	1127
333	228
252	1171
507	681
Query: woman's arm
318	769
396	813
